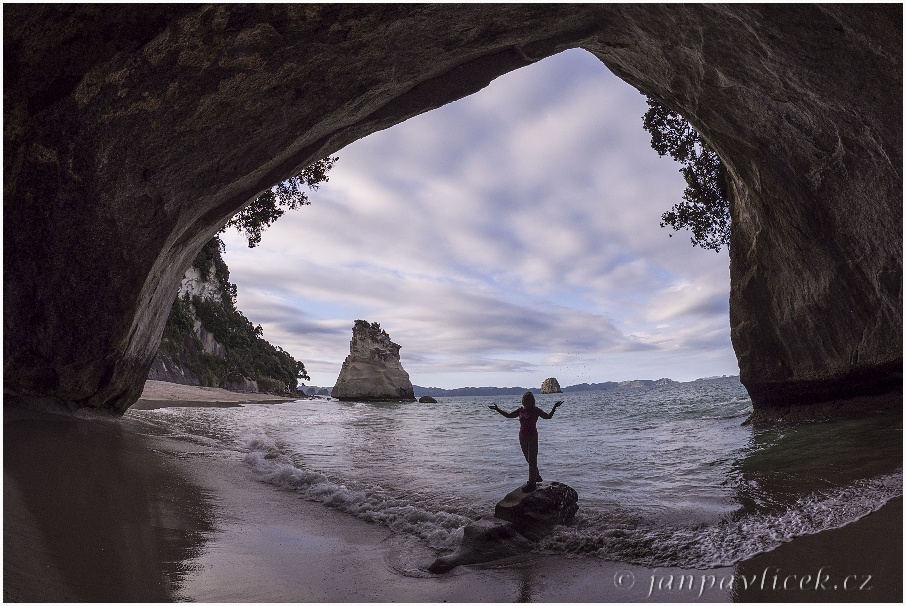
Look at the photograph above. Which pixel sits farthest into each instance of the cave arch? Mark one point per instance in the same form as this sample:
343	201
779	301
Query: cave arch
130	139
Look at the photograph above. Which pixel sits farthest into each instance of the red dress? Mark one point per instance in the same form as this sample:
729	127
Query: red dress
528	420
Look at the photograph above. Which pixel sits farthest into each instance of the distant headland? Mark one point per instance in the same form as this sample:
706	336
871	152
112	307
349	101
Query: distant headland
518	391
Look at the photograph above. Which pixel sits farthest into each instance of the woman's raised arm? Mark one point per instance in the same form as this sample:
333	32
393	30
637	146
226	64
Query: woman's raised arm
548	415
508	415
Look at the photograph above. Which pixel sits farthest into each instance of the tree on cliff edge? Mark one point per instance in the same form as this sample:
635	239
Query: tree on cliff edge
288	195
705	209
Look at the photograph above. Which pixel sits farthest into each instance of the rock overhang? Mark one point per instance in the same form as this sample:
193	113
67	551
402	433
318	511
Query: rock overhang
130	140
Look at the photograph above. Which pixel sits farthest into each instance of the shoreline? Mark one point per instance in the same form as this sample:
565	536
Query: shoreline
99	510
161	394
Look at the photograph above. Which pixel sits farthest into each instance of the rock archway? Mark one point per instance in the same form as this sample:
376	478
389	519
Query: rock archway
131	135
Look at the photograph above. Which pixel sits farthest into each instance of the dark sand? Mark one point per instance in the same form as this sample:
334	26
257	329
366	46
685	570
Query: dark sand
92	513
95	510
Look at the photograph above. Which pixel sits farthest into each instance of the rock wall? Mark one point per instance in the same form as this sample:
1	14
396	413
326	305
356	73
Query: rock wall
210	289
194	284
174	368
165	368
813	145
131	136
372	370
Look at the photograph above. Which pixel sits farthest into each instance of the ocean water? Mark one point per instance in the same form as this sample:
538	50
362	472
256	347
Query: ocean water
666	476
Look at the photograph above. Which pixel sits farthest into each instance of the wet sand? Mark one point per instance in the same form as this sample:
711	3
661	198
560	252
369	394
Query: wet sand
93	512
97	509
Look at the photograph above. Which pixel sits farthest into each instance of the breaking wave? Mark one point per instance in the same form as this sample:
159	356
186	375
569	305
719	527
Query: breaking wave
629	538
624	535
412	515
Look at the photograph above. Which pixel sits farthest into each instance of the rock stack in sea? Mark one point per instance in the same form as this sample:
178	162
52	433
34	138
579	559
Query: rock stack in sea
372	371
550	386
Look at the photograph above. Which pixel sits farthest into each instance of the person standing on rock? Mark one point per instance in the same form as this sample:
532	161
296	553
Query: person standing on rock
528	415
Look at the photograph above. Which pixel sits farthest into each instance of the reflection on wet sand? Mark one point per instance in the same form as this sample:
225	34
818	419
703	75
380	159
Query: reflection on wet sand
91	514
786	463
860	562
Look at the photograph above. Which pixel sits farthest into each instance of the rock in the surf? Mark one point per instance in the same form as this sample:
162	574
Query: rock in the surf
372	371
535	513
520	519
484	540
427	400
550	385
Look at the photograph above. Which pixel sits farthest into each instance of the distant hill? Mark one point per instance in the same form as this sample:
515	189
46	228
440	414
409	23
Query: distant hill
518	391
473	391
590	386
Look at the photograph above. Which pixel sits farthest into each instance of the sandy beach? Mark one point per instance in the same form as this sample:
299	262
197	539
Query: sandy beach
160	394
99	509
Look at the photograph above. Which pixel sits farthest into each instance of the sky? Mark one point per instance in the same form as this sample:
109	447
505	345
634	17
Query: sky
501	239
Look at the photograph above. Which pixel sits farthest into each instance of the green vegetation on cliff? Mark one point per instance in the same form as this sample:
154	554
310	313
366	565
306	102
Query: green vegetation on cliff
240	351
245	354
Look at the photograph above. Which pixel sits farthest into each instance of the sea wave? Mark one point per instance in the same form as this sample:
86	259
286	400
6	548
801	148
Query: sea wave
625	536
412	515
620	534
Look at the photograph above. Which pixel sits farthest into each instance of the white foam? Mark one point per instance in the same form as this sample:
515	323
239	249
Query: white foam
625	536
439	529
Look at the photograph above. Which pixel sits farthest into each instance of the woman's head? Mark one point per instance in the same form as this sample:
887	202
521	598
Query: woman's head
528	399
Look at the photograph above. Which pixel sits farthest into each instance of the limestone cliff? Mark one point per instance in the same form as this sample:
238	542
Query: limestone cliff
372	370
207	341
178	358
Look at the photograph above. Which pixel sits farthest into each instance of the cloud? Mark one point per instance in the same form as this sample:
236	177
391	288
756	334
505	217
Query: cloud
503	236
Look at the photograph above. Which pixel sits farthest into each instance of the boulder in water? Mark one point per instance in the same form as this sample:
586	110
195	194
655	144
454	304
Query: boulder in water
520	519
485	540
536	512
427	400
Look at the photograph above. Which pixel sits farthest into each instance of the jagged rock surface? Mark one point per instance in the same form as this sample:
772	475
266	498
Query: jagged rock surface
165	368
550	385
132	136
372	370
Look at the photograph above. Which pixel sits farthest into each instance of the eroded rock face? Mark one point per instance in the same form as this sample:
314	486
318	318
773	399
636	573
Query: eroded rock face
372	370
132	136
164	368
550	385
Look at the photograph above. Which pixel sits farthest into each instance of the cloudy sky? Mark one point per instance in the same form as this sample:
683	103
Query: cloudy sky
504	238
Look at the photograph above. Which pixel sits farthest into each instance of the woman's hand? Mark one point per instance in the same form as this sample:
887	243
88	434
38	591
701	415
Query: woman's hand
494	407
558	403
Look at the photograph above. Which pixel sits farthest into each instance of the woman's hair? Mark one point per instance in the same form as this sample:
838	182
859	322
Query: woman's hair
528	397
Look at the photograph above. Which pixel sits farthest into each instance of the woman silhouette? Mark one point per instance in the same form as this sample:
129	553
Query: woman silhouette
528	415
